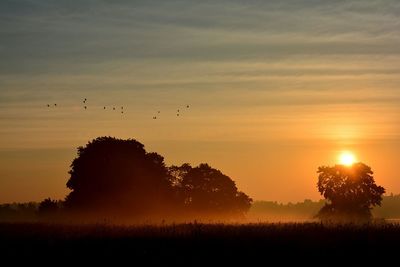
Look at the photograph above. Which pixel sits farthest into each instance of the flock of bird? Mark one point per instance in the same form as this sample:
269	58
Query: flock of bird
122	108
177	113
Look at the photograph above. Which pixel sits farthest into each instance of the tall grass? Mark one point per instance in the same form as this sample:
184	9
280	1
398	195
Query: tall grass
198	243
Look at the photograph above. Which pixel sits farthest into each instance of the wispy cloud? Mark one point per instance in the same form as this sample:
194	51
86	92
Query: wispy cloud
46	35
234	54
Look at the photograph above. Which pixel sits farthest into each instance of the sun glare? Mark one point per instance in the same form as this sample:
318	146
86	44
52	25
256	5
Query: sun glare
347	158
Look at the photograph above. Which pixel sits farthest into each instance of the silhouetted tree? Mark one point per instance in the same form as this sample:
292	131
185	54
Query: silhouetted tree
118	177
48	207
206	190
115	177
351	192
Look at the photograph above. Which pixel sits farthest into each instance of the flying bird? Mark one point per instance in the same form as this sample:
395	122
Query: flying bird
55	105
104	108
187	106
113	108
85	107
48	105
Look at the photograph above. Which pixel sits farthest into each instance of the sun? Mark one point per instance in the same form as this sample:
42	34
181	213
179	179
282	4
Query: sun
347	158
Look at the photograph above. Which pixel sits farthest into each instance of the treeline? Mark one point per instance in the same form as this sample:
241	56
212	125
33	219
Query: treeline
390	208
306	210
260	210
18	212
118	180
274	211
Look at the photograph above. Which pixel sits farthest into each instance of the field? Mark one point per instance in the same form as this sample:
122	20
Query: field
201	244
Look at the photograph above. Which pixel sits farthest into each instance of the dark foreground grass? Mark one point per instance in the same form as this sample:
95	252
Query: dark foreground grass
202	244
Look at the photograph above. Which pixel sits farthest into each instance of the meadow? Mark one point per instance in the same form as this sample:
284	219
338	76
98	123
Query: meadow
261	244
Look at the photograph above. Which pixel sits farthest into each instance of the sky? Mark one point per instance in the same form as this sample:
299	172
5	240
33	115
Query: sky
275	88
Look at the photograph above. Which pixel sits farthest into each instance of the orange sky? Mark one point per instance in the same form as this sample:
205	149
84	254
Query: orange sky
275	90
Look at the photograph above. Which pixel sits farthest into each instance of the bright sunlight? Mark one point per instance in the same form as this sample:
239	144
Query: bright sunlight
347	158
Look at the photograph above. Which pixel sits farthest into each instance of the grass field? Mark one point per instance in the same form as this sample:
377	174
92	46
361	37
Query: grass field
202	244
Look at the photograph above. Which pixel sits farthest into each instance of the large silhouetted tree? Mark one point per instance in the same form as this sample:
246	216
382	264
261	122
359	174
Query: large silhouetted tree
208	191
115	176
350	191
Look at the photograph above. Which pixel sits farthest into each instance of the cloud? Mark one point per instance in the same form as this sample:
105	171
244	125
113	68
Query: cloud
46	36
233	55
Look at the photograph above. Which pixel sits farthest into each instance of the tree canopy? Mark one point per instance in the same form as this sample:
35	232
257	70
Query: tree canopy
206	190
118	177
351	192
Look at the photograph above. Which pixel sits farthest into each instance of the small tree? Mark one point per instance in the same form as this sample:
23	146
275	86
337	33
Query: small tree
48	207
350	192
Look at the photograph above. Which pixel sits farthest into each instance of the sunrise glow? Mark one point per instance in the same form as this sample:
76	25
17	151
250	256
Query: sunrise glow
347	158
